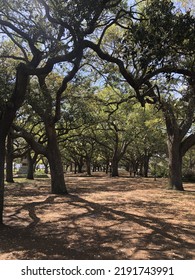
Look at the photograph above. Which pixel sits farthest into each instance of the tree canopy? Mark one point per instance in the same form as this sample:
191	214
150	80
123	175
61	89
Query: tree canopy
75	73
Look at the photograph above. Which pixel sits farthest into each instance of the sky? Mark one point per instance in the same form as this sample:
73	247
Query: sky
180	4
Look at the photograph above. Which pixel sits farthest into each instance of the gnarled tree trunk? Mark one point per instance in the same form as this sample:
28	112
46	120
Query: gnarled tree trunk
9	160
115	162
175	164
88	165
2	163
146	165
80	164
31	164
58	185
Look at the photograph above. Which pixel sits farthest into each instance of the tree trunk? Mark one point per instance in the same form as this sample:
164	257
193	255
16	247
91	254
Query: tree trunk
127	166
57	174
58	185
46	169
94	168
141	169
2	163
175	164
30	171
75	167
146	165
88	165
71	167
9	160
9	169
45	163
115	168
80	168
80	164
6	120
31	164
107	168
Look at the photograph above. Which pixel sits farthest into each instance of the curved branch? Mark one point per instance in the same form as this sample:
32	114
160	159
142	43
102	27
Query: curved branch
57	21
22	34
37	147
105	56
17	44
187	144
167	69
63	87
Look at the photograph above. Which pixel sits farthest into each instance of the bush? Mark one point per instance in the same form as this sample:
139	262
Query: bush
189	176
160	170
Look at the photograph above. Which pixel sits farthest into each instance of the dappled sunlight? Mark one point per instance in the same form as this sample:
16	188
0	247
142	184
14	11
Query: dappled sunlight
101	218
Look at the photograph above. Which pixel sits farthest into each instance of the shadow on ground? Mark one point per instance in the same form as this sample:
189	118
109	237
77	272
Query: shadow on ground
101	218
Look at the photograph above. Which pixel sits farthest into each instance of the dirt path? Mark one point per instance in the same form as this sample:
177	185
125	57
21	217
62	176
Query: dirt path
101	218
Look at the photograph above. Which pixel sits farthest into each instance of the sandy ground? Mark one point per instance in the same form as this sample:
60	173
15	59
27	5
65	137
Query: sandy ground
101	218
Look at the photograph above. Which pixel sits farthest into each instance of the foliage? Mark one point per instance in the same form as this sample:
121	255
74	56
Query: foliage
143	40
156	40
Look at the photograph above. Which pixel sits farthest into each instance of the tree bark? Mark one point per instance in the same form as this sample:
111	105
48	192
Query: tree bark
146	165
175	164
107	168
30	171
45	163
141	168
115	167
58	185
7	116
46	169
80	165
9	160
71	167
75	167
88	165
174	144
31	164
2	163
9	169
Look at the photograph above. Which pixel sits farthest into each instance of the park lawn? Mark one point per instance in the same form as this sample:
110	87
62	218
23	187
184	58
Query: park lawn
101	218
